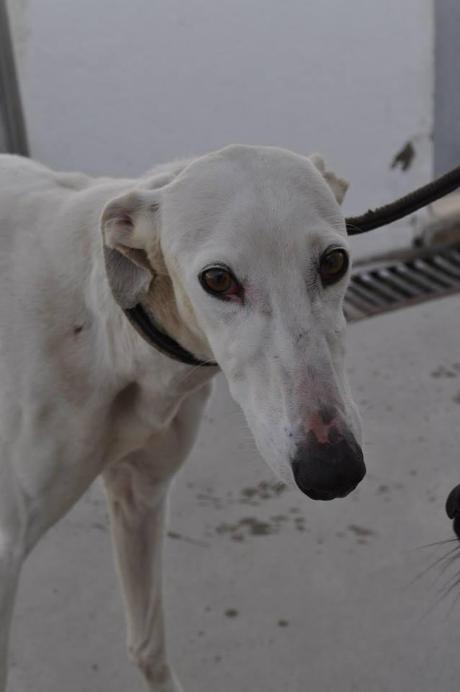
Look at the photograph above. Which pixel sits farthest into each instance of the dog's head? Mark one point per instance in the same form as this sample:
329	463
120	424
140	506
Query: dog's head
250	259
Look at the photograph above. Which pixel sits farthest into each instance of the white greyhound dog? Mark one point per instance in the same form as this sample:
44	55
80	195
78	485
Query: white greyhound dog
115	296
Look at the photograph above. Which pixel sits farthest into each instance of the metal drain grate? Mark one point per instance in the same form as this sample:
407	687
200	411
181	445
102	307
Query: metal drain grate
413	277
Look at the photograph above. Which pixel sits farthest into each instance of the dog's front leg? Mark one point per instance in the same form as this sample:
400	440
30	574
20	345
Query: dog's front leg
11	557
16	539
137	489
137	507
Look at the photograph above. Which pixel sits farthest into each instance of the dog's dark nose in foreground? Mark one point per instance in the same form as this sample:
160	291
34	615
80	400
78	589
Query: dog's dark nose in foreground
453	508
328	469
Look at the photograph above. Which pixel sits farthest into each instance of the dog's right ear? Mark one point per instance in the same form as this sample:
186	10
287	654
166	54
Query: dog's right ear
130	231
338	185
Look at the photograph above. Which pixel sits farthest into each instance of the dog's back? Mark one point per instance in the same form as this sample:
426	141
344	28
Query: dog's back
39	258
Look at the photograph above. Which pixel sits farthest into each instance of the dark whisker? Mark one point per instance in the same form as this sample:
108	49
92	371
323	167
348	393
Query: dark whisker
447	589
454	604
451	556
435	543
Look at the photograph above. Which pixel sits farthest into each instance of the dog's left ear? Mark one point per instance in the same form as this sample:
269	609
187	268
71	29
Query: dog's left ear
130	230
338	185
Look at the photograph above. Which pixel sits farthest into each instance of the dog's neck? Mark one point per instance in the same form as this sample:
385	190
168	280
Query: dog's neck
160	302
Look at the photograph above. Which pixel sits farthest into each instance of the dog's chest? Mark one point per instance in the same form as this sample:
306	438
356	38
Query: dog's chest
145	407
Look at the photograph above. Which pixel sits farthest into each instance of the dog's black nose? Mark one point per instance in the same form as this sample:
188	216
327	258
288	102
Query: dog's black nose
453	508
326	470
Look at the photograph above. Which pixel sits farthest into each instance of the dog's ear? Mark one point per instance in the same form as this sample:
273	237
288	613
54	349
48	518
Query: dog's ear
338	185
130	231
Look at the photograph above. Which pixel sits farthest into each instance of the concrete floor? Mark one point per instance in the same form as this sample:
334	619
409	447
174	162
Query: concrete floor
267	590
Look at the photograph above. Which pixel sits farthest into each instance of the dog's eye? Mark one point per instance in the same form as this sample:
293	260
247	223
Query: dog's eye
220	282
333	266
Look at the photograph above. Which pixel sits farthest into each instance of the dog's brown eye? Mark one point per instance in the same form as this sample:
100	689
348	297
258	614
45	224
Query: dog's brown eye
220	282
333	265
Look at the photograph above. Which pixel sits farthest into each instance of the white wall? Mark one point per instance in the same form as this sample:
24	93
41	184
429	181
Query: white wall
113	86
447	93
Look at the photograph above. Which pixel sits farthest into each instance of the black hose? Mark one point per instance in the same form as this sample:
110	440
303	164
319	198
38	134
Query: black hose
404	205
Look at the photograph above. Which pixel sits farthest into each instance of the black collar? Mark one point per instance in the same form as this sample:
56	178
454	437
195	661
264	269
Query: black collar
147	328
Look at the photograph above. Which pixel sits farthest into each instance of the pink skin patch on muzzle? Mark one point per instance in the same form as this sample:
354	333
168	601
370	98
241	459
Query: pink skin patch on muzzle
323	426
